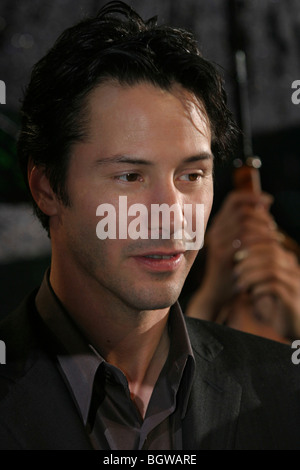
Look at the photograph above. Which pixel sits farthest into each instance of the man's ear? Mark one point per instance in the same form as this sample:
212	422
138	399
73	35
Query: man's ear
41	190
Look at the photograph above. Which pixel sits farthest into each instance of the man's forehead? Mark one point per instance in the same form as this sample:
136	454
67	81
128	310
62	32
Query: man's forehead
188	98
113	95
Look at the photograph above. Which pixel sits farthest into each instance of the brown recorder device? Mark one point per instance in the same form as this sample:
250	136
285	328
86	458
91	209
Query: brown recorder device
246	175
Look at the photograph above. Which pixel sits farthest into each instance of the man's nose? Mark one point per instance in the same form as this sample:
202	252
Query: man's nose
166	210
166	192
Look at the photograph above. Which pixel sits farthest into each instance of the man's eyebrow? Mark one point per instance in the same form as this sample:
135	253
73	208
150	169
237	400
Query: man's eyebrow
199	157
140	161
123	159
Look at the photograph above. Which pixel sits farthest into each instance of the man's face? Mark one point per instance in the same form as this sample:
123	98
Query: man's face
153	147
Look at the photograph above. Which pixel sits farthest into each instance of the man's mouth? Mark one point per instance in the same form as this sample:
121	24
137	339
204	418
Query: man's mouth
160	262
161	256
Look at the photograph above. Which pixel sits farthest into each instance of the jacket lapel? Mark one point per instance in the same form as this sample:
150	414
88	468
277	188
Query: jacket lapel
215	397
39	413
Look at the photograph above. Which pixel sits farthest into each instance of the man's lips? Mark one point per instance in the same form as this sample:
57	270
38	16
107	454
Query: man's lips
160	260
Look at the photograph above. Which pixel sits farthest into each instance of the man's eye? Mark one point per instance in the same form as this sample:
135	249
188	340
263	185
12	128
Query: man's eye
129	177
190	177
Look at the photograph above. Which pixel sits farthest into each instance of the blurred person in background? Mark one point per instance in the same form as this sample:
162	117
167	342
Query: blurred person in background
251	279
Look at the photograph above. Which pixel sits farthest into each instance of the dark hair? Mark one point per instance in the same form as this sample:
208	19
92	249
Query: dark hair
116	44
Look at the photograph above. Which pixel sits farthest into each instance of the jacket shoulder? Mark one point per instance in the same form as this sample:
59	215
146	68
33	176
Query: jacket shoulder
209	338
17	329
26	340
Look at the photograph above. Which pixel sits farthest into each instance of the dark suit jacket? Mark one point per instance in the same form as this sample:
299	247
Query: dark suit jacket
246	393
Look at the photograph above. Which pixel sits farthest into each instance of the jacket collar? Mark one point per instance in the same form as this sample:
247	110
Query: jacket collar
215	396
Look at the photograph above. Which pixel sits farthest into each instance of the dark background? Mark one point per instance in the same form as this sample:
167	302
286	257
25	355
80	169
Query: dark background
267	30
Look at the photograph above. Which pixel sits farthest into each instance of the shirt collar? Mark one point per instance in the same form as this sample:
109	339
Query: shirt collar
181	356
79	361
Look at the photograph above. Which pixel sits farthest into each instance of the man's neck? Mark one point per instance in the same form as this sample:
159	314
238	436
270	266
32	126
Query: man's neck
135	342
141	357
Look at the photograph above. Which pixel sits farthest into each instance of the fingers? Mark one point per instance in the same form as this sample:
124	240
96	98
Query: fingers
241	211
236	198
241	200
266	259
271	276
268	269
242	221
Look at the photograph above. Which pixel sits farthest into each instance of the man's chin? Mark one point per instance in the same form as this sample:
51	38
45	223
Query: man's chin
155	301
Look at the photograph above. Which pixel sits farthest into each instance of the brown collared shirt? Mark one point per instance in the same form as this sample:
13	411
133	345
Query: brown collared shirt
100	390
